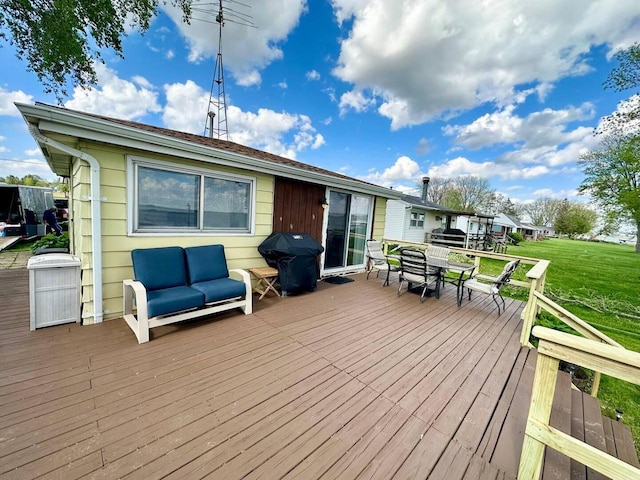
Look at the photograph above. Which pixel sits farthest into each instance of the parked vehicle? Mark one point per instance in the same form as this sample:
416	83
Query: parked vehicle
21	209
63	209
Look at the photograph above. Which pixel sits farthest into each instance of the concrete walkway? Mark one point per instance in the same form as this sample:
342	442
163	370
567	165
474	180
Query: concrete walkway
14	259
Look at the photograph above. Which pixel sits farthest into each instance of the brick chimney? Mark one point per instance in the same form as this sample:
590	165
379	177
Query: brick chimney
425	187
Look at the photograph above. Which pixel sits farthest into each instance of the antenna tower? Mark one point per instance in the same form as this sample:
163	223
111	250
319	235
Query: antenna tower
216	121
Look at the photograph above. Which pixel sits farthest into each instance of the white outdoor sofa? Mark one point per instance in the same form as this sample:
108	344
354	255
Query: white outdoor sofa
174	284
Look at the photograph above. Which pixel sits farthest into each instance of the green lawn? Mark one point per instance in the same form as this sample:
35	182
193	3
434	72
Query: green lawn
21	246
600	283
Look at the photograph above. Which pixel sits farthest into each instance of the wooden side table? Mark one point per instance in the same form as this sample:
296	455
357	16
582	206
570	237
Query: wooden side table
266	277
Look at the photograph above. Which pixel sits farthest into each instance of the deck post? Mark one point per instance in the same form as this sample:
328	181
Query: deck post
530	312
544	385
537	276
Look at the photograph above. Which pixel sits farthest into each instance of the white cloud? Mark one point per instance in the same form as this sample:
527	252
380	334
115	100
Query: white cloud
246	50
249	78
313	75
7	99
545	128
404	169
355	100
20	168
115	97
33	152
462	166
186	108
169	55
283	85
555	194
525	173
283	133
430	59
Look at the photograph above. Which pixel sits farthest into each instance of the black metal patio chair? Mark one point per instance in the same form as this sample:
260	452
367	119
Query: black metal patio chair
415	270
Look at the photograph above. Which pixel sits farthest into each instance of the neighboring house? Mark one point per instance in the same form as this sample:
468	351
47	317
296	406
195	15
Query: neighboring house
504	224
532	232
547	231
477	228
138	186
412	218
475	223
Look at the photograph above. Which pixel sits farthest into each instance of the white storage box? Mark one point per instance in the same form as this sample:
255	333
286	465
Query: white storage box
54	289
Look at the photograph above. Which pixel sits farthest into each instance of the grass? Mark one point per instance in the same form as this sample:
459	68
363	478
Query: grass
21	246
600	283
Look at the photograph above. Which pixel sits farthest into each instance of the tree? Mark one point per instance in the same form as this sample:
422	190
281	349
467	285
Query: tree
573	218
32	180
625	76
503	204
612	178
469	194
543	211
61	40
437	189
11	180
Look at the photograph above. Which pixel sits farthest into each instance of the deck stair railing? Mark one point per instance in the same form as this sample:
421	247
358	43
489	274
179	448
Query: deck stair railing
555	346
538	301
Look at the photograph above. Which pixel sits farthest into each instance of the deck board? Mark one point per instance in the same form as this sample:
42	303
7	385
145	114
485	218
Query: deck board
350	381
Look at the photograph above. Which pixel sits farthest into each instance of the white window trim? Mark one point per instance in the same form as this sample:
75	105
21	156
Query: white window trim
417	220
133	160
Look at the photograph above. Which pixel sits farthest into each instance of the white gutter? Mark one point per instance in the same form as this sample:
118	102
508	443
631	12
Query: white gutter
96	218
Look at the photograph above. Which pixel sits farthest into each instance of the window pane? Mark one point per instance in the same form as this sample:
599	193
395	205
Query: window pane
167	199
227	204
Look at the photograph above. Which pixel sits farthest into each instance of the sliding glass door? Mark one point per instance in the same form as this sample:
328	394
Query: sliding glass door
349	220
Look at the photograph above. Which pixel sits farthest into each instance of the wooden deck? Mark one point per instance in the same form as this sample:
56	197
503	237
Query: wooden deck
347	382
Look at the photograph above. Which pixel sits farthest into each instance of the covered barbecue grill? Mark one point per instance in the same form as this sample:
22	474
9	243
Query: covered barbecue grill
295	256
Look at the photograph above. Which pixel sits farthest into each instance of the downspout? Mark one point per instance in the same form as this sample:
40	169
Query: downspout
96	218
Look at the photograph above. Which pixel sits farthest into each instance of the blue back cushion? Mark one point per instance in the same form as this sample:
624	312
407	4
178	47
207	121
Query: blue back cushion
206	263
159	268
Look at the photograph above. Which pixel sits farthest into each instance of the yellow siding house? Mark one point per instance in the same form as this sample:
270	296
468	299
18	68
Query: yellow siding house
136	186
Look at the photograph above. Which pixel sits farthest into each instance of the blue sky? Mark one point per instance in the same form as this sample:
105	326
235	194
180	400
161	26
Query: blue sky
383	90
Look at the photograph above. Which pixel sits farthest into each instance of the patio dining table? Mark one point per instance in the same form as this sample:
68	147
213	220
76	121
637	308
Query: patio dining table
464	271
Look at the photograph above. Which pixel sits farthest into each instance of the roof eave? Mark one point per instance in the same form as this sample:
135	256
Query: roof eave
75	124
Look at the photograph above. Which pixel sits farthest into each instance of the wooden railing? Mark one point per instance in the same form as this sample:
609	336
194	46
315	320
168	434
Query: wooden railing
538	301
555	346
475	241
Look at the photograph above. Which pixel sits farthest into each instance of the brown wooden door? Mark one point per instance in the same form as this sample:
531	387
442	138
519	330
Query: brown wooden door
297	207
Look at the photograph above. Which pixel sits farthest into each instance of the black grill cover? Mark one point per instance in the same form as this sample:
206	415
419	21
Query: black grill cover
294	255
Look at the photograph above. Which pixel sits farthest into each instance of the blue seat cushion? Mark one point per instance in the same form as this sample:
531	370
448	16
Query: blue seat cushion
206	262
170	300
220	289
159	268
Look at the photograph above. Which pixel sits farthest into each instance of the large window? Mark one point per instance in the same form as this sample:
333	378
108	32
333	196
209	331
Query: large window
176	200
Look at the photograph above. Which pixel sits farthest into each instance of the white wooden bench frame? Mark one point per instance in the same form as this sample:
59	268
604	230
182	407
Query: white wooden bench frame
141	323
